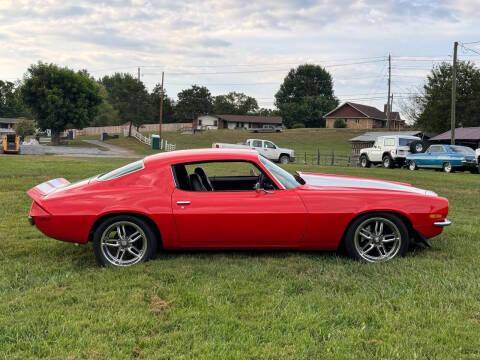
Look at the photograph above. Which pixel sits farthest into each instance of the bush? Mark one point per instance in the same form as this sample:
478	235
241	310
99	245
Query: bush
339	124
298	125
25	127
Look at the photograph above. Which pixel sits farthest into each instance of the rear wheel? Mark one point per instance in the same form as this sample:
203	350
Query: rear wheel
364	162
447	167
123	240
412	165
376	237
387	161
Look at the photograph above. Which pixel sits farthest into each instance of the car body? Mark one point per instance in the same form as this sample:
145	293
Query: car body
389	150
267	129
267	208
265	148
477	155
446	157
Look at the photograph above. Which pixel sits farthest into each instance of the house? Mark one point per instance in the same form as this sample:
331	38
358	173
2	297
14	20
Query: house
214	122
367	139
359	116
7	125
466	136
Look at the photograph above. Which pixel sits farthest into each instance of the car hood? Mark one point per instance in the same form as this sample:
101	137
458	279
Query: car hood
342	181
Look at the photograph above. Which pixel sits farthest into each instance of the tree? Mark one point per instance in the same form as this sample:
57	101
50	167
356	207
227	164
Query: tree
305	95
106	115
59	97
11	103
267	112
129	97
235	104
168	106
193	102
431	108
25	127
339	124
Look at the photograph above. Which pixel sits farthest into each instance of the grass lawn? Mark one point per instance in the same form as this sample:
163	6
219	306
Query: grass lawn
301	140
55	302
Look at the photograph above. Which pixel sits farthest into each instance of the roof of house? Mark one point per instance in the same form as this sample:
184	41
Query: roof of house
252	119
9	120
368	111
373	135
463	133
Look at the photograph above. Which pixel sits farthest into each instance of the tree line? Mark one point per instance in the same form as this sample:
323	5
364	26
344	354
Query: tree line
59	98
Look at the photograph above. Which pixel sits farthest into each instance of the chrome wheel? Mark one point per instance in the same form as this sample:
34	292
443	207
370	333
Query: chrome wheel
377	239
447	167
123	243
386	162
363	161
412	165
419	147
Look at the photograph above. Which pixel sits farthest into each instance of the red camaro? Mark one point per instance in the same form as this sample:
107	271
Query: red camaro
233	199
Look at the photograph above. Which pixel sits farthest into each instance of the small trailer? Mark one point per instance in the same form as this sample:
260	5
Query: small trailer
11	144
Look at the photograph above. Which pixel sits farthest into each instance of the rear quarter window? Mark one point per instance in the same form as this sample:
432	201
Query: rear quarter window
124	170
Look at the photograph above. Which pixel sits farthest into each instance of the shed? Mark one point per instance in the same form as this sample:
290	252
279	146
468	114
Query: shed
467	136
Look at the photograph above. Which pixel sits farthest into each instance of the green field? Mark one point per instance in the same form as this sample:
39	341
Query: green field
301	140
55	302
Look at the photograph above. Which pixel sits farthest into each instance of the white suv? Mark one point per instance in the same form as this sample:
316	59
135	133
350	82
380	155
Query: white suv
391	150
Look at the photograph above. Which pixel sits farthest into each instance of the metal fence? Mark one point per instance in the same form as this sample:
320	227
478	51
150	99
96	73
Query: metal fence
147	140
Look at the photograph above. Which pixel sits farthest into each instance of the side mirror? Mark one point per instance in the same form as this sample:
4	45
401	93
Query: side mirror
259	189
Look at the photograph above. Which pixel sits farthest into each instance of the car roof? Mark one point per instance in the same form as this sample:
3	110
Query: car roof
399	136
198	155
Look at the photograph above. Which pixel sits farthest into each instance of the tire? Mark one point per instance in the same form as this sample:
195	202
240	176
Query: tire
364	162
418	146
136	242
376	249
447	167
412	165
284	159
474	170
387	162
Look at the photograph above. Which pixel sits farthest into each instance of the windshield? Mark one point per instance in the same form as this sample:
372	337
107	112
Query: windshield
283	177
405	142
462	150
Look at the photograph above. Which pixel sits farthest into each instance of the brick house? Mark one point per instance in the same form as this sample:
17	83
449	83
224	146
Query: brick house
359	116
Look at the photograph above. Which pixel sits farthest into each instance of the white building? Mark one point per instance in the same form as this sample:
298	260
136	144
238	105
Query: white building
214	122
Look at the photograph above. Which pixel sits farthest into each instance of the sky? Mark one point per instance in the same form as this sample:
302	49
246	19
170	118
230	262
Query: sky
244	46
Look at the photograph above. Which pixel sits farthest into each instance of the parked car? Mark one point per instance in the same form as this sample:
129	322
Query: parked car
11	143
391	150
264	147
477	155
449	158
267	129
233	199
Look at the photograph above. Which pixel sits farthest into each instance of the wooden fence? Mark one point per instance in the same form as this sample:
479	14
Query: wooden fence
325	159
120	128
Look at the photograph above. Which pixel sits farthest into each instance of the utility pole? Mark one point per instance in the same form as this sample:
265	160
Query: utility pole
161	110
389	88
138	74
454	93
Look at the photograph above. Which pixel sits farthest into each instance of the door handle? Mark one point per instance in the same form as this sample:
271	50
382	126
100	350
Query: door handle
183	202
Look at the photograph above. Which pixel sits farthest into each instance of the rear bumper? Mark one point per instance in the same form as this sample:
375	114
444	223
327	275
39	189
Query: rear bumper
442	223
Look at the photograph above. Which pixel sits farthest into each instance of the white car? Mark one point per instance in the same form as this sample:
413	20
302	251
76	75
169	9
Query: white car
477	156
391	150
265	148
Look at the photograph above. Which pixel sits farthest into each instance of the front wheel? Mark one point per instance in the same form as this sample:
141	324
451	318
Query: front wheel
284	159
123	241
447	167
364	162
412	165
377	237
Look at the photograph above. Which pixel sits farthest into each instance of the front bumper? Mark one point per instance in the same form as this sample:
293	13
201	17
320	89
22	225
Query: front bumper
442	223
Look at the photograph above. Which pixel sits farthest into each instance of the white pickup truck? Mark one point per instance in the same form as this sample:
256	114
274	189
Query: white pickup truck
265	148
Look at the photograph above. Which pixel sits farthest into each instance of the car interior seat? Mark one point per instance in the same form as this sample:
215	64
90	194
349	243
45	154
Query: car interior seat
205	180
196	183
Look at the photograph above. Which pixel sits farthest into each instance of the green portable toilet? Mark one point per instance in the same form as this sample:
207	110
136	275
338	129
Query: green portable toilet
156	142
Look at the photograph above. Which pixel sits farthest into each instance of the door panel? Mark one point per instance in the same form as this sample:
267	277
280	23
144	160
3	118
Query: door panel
239	219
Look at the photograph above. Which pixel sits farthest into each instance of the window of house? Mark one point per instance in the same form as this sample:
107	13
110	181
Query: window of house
220	176
200	122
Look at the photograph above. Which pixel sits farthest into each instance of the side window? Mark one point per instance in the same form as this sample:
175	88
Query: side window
124	170
269	145
220	176
257	143
436	149
389	142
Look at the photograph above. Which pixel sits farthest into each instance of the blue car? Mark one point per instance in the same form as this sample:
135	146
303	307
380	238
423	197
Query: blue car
446	157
